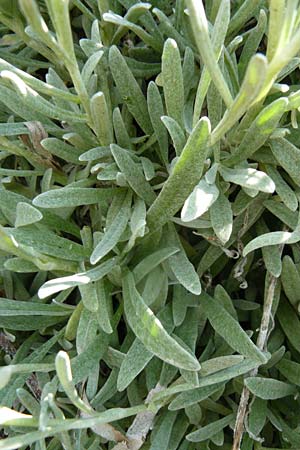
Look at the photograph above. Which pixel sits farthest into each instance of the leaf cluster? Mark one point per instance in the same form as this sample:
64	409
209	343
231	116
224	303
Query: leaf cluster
149	224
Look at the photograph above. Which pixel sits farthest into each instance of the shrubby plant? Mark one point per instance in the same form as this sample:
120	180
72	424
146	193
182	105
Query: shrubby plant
150	230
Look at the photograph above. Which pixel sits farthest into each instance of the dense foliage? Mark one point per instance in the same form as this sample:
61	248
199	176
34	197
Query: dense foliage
149	211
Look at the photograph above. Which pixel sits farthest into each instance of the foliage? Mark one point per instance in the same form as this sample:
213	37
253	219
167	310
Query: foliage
150	228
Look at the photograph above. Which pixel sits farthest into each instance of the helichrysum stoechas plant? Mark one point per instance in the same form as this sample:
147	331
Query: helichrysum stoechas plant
149	210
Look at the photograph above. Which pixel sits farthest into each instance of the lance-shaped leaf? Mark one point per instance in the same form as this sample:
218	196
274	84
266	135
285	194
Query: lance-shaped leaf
30	97
271	254
274	238
268	388
222	218
230	330
250	88
284	191
156	111
289	322
172	79
200	28
60	284
184	176
180	265
289	369
64	373
129	89
72	197
147	264
101	119
261	128
249	178
26	215
288	157
210	430
133	174
138	356
194	396
199	201
290	279
114	231
150	330
176	133
257	416
218	36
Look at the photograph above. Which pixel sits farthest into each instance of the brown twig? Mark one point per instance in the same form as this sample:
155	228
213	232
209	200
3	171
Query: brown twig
261	344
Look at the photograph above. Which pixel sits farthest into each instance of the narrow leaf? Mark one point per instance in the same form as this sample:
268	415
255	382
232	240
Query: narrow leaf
189	168
199	201
150	330
268	388
230	330
222	218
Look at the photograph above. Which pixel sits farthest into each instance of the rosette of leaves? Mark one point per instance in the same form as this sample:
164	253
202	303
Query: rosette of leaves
149	224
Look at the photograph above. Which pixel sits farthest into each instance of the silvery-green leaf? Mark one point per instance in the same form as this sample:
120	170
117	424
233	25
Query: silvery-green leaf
129	89
18	315
194	396
64	373
148	168
90	66
188	167
249	90
114	232
268	388
288	157
199	201
26	215
104	310
86	330
95	153
60	284
151	261
176	133
257	416
218	35
284	191
274	238
20	265
290	218
290	370
249	178
150	330
290	279
227	327
173	81
253	41
89	296
133	174
72	197
180	265
221	218
156	111
161	438
271	254
289	322
210	430
200	27
121	132
210	176
261	128
59	148
102	119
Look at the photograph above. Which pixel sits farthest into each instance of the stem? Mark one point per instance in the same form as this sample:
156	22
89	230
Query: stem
200	29
261	344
